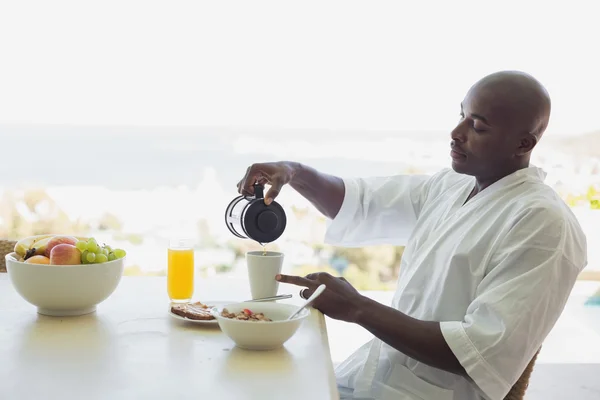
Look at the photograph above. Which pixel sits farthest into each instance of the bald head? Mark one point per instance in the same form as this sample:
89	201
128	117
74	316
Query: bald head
518	96
503	116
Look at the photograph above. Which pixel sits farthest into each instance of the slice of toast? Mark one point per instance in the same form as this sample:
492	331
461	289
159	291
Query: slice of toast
196	311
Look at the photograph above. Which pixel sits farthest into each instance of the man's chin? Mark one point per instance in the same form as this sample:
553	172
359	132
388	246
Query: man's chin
460	167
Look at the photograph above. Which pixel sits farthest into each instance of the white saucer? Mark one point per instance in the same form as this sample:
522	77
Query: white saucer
199	321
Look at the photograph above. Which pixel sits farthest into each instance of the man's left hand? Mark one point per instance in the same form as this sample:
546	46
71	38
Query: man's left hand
340	300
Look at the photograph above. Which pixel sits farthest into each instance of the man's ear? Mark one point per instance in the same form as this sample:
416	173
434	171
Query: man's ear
526	144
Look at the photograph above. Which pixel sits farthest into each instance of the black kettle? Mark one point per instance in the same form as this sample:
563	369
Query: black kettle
250	218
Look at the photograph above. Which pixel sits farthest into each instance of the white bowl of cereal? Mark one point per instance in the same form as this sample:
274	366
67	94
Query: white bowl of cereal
259	325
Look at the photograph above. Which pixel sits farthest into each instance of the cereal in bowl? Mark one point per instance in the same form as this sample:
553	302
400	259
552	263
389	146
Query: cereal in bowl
245	315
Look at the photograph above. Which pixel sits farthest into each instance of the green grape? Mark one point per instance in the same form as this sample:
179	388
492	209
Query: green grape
91	257
108	248
112	257
92	245
119	253
104	251
101	258
84	257
81	245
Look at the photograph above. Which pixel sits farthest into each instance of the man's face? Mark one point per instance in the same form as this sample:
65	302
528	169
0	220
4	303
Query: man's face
486	140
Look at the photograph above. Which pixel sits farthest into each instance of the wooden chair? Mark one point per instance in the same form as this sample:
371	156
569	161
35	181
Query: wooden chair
517	392
6	246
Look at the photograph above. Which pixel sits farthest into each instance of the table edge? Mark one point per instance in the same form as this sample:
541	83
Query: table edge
333	392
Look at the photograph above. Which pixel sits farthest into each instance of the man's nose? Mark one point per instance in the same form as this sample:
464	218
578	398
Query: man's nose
459	132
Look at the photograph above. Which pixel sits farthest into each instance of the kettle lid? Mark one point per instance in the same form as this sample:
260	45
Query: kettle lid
263	223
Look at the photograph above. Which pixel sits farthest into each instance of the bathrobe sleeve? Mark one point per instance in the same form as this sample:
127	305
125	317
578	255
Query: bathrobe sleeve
528	281
379	210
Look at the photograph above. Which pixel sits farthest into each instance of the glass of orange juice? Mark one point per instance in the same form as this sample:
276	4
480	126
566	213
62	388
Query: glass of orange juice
180	270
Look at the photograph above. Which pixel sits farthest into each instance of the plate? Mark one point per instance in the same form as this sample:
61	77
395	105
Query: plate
200	321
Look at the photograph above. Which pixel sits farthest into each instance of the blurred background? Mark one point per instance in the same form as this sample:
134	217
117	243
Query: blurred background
132	121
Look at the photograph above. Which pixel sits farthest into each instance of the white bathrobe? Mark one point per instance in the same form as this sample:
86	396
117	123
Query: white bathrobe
496	272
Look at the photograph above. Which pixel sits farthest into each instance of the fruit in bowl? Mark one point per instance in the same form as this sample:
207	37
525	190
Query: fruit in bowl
65	250
259	325
64	275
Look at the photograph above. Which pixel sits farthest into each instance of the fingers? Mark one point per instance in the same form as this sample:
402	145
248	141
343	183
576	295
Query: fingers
254	174
297	280
240	190
240	184
322	277
276	184
246	185
267	173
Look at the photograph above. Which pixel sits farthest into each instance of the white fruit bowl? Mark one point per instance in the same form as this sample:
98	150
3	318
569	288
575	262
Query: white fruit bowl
263	335
64	290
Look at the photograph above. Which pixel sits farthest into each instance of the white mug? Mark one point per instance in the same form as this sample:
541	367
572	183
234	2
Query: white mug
262	269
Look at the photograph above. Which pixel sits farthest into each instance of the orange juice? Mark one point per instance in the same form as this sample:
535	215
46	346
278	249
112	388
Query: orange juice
180	274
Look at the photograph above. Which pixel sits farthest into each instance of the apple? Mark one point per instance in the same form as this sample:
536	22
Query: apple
65	254
56	240
38	260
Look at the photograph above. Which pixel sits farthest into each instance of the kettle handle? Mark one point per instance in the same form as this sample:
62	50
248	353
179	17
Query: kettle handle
258	191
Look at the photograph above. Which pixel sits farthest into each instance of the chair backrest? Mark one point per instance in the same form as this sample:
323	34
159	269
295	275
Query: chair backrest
517	392
6	246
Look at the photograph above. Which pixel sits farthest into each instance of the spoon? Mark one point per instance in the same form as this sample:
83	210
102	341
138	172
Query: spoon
308	302
262	299
279	297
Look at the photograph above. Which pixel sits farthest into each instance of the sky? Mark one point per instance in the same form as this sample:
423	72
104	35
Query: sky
374	65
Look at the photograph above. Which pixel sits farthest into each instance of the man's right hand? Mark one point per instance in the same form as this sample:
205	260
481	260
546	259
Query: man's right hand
325	192
276	174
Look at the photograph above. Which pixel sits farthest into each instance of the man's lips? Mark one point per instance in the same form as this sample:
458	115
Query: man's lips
457	154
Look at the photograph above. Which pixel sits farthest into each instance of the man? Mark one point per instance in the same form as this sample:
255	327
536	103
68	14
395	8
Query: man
491	255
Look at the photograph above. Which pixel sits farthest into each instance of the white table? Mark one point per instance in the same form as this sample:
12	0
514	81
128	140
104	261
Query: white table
130	349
